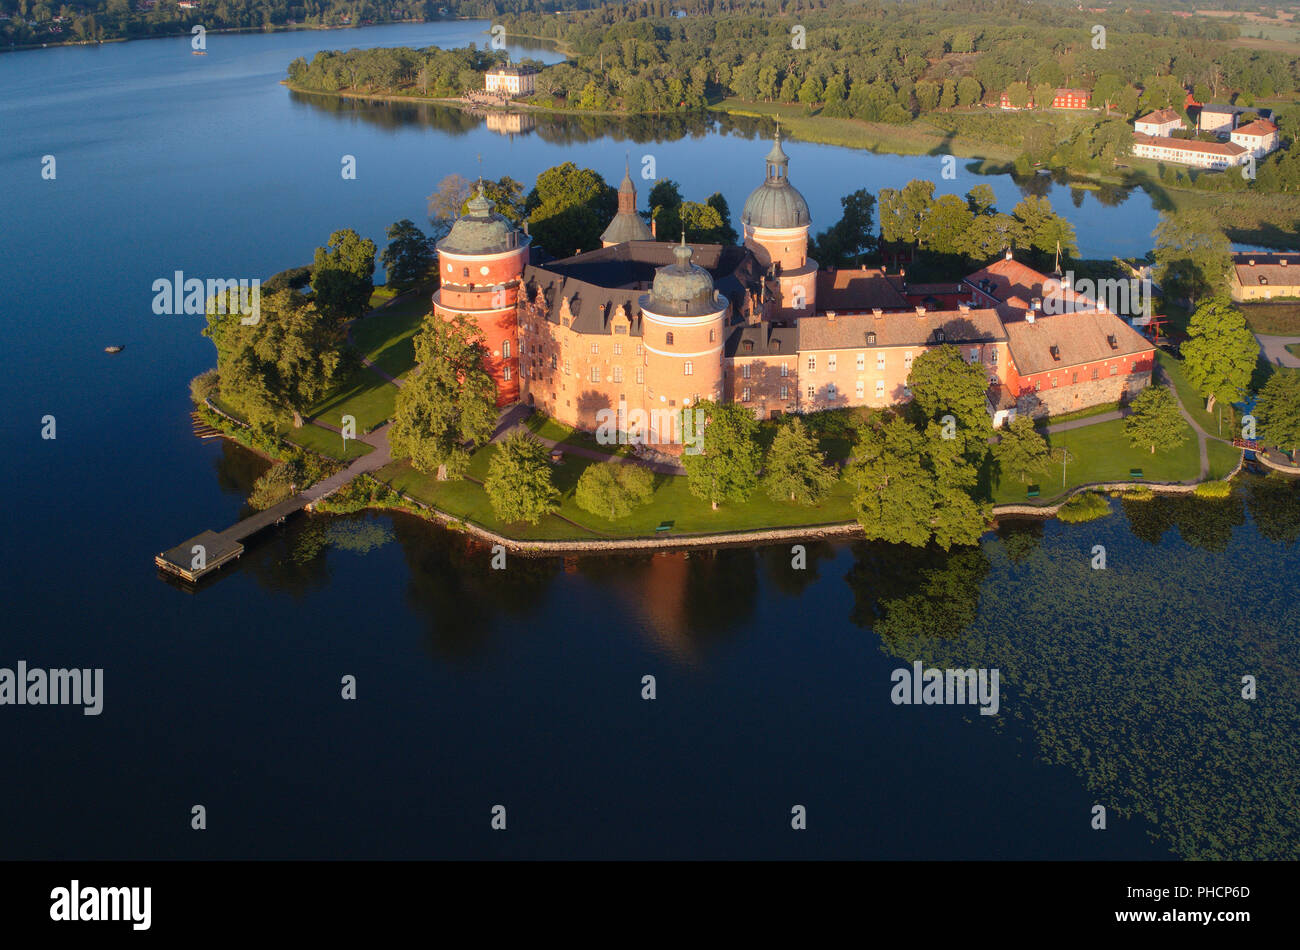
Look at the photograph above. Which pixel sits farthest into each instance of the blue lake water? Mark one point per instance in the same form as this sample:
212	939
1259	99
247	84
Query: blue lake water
522	687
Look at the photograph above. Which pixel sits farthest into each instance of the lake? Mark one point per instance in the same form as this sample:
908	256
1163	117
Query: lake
523	687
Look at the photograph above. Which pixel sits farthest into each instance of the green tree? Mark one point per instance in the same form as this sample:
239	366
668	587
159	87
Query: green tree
794	469
1041	229
844	243
969	91
1219	356
408	256
277	368
726	468
569	208
519	481
1155	421
612	490
1021	450
902	212
447	403
942	384
343	275
1278	410
1192	255
894	498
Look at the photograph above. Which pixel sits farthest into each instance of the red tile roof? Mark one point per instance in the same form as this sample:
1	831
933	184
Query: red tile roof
1260	127
1079	338
1225	149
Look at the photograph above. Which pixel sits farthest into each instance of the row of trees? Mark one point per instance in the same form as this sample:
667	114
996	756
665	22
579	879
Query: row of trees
972	229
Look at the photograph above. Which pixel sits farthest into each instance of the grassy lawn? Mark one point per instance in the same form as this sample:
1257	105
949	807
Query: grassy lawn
672	501
366	395
385	336
1101	453
1223	458
1191	399
1273	319
543	425
324	442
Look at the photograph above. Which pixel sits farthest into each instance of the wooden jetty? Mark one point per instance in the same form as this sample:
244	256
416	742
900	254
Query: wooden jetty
204	553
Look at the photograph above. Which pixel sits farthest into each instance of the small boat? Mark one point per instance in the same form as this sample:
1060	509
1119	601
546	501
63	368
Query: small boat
114	349
199	52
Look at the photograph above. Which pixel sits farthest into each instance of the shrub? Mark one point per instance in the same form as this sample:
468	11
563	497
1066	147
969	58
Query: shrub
1088	506
204	385
1213	490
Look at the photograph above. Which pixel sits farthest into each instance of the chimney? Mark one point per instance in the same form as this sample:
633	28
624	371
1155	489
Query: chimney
1029	316
830	316
652	228
878	312
964	307
1252	262
1282	262
1037	303
920	310
1008	255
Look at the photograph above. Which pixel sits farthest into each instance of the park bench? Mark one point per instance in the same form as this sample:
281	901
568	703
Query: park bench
1032	492
1135	473
664	526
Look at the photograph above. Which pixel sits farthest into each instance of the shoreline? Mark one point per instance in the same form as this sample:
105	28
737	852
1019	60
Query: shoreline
843	530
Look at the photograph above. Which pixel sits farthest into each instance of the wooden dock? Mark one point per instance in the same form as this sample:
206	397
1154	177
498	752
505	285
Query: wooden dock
206	552
202	554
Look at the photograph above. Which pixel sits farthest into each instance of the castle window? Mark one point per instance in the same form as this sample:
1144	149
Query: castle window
1074	378
812	363
871	338
465	272
713	335
595	349
688	368
618	349
505	373
668	338
830	363
993	356
748	346
552	361
640	374
744	371
862	357
1114	369
620	330
568	366
880	361
640	349
831	392
744	394
938	336
785	370
1095	373
618	374
860	389
907	360
785	392
880	388
594	375
505	350
811	392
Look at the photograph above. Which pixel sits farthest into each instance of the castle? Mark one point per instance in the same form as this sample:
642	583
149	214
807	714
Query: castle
644	329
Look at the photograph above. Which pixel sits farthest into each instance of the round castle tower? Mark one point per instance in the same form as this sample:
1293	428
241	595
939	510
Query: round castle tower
776	222
682	329
627	224
481	265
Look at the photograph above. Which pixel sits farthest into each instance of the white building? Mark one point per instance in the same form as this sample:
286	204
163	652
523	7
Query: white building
512	80
1258	137
1212	155
1159	123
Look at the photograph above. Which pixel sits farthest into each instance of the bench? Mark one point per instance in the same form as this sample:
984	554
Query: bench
1032	492
1135	473
663	527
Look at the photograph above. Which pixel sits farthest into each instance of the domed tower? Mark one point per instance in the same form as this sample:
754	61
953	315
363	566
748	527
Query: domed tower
776	222
481	263
627	224
682	321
